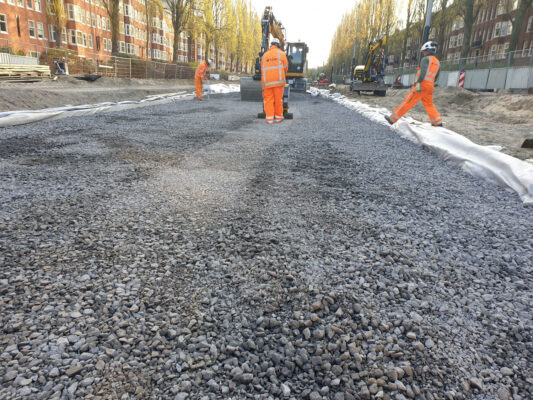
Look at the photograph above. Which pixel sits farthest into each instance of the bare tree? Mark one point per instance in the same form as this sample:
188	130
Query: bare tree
55	13
113	8
181	12
517	23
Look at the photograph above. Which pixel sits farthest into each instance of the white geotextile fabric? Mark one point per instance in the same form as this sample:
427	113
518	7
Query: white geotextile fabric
12	118
483	161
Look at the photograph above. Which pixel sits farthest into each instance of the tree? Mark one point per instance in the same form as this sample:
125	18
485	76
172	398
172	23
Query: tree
153	9
55	13
408	23
113	8
469	9
517	23
181	12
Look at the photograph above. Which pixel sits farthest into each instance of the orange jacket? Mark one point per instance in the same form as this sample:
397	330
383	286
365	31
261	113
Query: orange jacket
431	72
274	66
201	70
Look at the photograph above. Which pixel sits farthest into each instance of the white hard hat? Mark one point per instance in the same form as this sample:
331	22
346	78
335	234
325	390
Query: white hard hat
209	62
430	47
275	41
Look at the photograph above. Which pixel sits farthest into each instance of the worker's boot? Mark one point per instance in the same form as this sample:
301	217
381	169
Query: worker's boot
390	121
439	125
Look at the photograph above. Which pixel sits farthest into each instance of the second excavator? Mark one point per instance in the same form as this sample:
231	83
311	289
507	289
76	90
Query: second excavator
296	52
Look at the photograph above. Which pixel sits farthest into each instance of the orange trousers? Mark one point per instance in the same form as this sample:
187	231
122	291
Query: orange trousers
413	97
199	87
273	104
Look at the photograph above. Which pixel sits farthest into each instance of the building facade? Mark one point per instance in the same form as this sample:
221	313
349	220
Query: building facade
25	29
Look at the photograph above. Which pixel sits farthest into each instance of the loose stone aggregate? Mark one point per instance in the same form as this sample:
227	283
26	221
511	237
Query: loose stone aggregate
189	251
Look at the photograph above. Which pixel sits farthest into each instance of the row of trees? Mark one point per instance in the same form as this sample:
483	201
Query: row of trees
231	25
378	18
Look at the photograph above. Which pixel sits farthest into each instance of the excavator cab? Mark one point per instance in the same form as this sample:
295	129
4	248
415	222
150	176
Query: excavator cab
297	55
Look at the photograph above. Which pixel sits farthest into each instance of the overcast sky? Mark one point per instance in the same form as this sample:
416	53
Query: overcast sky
311	21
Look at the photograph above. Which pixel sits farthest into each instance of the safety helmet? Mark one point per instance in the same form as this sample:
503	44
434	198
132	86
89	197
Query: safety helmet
430	47
209	62
275	42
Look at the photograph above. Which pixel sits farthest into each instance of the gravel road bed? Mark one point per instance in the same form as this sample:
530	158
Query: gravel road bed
189	251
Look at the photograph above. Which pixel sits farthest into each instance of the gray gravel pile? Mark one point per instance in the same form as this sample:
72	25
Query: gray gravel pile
189	251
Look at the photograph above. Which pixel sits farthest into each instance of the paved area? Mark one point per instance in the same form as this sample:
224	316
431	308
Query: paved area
190	251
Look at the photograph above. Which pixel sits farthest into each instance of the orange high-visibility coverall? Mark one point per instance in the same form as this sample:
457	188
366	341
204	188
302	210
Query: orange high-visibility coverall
199	76
274	66
427	84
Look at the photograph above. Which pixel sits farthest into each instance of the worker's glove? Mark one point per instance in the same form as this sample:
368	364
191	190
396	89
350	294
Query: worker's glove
417	87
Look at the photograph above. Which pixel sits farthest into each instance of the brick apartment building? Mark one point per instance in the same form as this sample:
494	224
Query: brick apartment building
24	28
491	33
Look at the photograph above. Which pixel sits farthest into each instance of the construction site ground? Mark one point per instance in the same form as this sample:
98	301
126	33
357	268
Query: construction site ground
189	250
69	91
487	118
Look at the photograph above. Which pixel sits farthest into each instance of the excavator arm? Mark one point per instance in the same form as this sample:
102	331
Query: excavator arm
372	48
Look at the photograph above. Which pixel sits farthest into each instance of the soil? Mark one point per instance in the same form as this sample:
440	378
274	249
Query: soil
489	119
71	91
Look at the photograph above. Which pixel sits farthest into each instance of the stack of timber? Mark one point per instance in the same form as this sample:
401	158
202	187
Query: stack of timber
21	72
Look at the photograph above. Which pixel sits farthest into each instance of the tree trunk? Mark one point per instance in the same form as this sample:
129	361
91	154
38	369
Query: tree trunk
517	23
442	29
175	45
59	31
469	18
115	24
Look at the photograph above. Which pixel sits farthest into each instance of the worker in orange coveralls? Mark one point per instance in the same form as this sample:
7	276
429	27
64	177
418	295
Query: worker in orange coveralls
201	72
427	74
274	66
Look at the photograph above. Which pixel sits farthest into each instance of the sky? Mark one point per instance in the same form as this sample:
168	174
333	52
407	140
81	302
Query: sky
311	21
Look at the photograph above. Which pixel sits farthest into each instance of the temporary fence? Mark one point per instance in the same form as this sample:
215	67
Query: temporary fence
93	63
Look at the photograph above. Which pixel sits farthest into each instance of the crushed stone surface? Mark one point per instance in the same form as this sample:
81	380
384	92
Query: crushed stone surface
190	251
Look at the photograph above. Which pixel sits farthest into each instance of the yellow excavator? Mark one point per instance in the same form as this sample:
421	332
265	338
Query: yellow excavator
251	89
370	76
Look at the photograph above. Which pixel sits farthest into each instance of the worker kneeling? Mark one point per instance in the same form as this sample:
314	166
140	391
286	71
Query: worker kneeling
274	66
427	74
201	73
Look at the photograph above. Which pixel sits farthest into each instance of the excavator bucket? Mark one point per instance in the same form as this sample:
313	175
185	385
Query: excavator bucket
251	90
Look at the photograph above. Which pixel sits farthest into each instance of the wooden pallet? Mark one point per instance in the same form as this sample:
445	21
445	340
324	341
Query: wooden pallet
17	72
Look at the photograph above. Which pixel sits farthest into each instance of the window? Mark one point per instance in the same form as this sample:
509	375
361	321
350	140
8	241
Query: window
93	20
79	38
3	23
70	12
529	23
500	9
72	36
52	33
459	40
20	3
507	27
98	22
493	49
34	54
497	29
40	30
97	43
31	28
29	4
122	47
38	5
107	24
524	49
64	35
